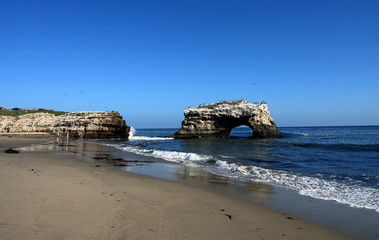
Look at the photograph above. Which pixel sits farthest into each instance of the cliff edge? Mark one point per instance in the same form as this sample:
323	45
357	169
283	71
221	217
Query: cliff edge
92	124
218	119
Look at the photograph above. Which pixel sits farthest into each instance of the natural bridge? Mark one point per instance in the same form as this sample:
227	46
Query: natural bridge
218	119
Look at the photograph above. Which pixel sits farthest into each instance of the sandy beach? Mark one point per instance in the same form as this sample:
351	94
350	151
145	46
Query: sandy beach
57	196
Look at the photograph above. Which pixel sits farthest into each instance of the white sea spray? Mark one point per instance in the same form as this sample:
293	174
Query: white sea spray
143	138
134	137
352	195
170	156
349	192
132	131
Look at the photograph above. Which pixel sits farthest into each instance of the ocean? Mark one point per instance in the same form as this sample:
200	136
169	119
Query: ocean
339	164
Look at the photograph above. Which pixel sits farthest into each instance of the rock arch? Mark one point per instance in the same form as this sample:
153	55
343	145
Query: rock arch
218	119
246	131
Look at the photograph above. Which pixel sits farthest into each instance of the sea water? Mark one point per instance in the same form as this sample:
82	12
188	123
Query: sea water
333	163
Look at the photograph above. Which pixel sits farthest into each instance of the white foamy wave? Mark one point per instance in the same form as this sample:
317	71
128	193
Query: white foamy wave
352	195
132	131
133	137
171	156
227	157
303	134
144	138
349	194
180	157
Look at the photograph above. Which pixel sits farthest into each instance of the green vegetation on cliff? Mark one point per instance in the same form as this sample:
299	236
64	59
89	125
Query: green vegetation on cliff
4	112
214	105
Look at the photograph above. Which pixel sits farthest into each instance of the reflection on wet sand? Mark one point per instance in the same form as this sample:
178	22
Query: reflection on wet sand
246	190
55	146
130	162
199	176
280	199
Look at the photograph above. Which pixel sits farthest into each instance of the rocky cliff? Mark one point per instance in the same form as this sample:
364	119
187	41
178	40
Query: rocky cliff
218	119
92	124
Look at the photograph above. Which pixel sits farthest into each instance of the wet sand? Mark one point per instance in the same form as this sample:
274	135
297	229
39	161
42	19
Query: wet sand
57	196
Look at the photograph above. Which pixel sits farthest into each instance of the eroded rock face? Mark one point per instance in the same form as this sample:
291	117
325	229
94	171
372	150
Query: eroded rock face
92	124
218	119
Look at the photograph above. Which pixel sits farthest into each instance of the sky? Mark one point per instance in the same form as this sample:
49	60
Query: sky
316	63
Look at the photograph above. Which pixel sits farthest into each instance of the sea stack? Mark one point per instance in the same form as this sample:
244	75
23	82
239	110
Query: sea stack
218	119
91	124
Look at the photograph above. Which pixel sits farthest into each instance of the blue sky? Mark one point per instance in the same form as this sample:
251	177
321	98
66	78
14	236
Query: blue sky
314	62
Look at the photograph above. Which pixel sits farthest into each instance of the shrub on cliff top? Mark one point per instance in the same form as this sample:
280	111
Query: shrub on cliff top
13	113
214	105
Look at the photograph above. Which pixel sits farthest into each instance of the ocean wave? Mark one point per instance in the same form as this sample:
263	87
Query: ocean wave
336	134
350	193
303	134
144	138
180	157
171	156
133	137
336	146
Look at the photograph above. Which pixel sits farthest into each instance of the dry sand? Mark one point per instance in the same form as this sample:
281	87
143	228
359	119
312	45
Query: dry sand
57	196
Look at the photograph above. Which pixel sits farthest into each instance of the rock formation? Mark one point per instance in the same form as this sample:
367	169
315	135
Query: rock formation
218	119
92	124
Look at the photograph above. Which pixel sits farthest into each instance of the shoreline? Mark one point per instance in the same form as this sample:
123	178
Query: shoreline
358	222
186	211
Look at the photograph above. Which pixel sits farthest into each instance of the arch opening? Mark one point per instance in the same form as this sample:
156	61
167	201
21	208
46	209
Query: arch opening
241	131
